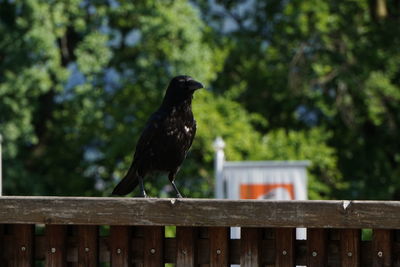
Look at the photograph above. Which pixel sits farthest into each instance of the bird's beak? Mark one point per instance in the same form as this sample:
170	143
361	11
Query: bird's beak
194	85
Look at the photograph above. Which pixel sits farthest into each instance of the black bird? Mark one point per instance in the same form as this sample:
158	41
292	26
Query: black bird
166	139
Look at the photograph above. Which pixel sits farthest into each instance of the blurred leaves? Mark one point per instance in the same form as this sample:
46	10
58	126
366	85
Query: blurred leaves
286	80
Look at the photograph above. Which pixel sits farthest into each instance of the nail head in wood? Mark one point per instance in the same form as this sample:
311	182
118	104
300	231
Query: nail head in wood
23	248
53	250
380	254
349	254
86	249
118	251
152	251
284	253
314	254
218	251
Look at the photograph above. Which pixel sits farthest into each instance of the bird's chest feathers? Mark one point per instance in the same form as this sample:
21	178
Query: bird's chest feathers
181	124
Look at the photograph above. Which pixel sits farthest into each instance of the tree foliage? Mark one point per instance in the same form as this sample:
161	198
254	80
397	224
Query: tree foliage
286	80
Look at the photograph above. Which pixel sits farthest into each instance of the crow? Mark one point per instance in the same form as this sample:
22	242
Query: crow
166	138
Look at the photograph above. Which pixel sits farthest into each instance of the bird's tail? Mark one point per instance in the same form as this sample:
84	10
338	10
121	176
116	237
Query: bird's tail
127	184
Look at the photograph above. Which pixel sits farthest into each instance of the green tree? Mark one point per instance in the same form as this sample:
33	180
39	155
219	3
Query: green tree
79	85
320	64
298	79
43	119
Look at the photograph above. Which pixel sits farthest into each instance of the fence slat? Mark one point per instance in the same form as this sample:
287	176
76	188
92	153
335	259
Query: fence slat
56	252
186	247
382	248
120	246
88	249
350	247
219	253
317	247
2	250
250	246
396	248
153	246
284	246
22	251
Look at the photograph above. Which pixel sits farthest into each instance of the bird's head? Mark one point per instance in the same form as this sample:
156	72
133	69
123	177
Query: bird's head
184	84
182	87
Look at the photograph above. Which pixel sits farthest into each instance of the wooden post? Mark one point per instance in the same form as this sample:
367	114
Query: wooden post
2	262
396	256
382	248
88	245
284	247
153	253
56	253
219	253
120	246
250	246
186	246
350	247
317	247
23	245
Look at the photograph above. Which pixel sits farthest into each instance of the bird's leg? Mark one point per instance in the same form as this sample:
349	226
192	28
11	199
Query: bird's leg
142	191
171	177
178	194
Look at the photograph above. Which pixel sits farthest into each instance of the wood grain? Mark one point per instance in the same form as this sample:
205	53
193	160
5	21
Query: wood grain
120	246
200	212
2	241
284	247
219	253
23	245
250	246
153	252
350	247
88	245
382	248
317	247
56	240
396	248
186	246
334	250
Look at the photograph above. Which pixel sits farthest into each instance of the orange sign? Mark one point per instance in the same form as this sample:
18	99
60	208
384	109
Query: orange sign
265	191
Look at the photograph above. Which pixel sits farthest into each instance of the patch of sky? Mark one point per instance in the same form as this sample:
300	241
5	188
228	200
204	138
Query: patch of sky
111	80
75	78
133	37
264	44
92	154
307	115
229	23
115	38
113	3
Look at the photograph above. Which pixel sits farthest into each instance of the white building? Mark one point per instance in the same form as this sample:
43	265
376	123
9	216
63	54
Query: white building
274	180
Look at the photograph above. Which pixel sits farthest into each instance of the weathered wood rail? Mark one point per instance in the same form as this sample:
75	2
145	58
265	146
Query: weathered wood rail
78	231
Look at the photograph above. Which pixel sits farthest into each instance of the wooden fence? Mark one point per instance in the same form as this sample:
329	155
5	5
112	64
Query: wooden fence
71	231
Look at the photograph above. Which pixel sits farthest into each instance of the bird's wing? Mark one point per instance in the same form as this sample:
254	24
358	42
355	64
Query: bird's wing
194	133
148	136
142	154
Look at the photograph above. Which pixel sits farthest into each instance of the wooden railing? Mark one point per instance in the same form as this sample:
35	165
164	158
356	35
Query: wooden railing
73	231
